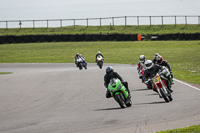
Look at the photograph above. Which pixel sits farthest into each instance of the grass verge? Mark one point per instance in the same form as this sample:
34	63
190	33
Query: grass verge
1	73
183	56
142	29
190	129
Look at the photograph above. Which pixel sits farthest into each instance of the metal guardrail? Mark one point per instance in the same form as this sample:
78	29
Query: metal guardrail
109	21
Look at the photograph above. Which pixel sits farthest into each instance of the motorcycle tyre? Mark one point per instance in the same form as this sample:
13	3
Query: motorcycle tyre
80	67
164	95
170	97
120	99
129	104
100	64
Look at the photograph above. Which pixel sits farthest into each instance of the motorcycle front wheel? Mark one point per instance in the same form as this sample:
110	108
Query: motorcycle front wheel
164	95
120	99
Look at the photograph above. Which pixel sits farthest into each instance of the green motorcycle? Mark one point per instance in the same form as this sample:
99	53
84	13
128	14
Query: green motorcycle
119	93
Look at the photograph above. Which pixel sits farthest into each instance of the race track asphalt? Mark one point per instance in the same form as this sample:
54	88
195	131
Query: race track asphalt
59	98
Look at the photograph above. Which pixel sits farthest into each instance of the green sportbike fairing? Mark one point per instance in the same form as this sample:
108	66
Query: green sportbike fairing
119	93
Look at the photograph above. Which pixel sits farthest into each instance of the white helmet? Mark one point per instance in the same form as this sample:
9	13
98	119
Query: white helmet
98	52
142	58
148	64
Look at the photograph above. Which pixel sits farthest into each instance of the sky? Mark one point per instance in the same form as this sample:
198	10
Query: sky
71	9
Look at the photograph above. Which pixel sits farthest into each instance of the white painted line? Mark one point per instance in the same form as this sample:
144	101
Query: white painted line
187	84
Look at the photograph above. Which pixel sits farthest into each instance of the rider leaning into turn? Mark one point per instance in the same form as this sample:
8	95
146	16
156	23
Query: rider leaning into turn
111	74
78	56
154	59
141	65
151	70
98	53
160	61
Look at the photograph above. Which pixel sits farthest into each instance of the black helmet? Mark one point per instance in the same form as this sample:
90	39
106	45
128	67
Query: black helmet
109	70
77	54
156	54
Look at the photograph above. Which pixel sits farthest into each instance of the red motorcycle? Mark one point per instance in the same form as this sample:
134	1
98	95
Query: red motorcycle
159	84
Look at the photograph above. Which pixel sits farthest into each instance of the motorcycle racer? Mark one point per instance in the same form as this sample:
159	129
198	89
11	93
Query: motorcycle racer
160	61
98	53
76	57
79	56
154	60
111	74
141	66
151	70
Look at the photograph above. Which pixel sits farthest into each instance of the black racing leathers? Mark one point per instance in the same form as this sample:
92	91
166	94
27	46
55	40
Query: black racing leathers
98	55
166	64
107	79
149	73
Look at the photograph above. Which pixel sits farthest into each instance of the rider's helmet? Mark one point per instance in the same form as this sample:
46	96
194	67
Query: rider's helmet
98	52
109	70
142	58
148	64
159	59
156	54
77	54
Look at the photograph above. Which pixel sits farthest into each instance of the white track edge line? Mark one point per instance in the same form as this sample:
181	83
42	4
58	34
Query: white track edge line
187	84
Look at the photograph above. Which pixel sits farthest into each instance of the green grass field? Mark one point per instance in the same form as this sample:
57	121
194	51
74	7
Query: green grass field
190	129
143	29
183	56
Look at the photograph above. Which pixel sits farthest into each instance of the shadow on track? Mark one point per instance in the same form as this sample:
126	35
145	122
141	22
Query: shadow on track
141	89
108	109
161	102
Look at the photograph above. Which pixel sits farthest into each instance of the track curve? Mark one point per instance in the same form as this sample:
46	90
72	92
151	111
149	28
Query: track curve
59	98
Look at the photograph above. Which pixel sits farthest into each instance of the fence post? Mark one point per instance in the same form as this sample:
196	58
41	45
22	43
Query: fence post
113	21
185	20
47	24
20	24
33	24
125	20
87	22
138	20
60	23
150	20
74	23
162	20
100	22
6	24
175	20
199	20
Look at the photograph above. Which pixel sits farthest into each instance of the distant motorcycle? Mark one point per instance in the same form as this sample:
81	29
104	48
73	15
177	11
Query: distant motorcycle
100	60
159	83
119	93
81	62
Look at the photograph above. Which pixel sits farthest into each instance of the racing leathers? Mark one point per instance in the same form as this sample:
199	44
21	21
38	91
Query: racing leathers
98	55
149	73
141	68
79	56
107	79
166	64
